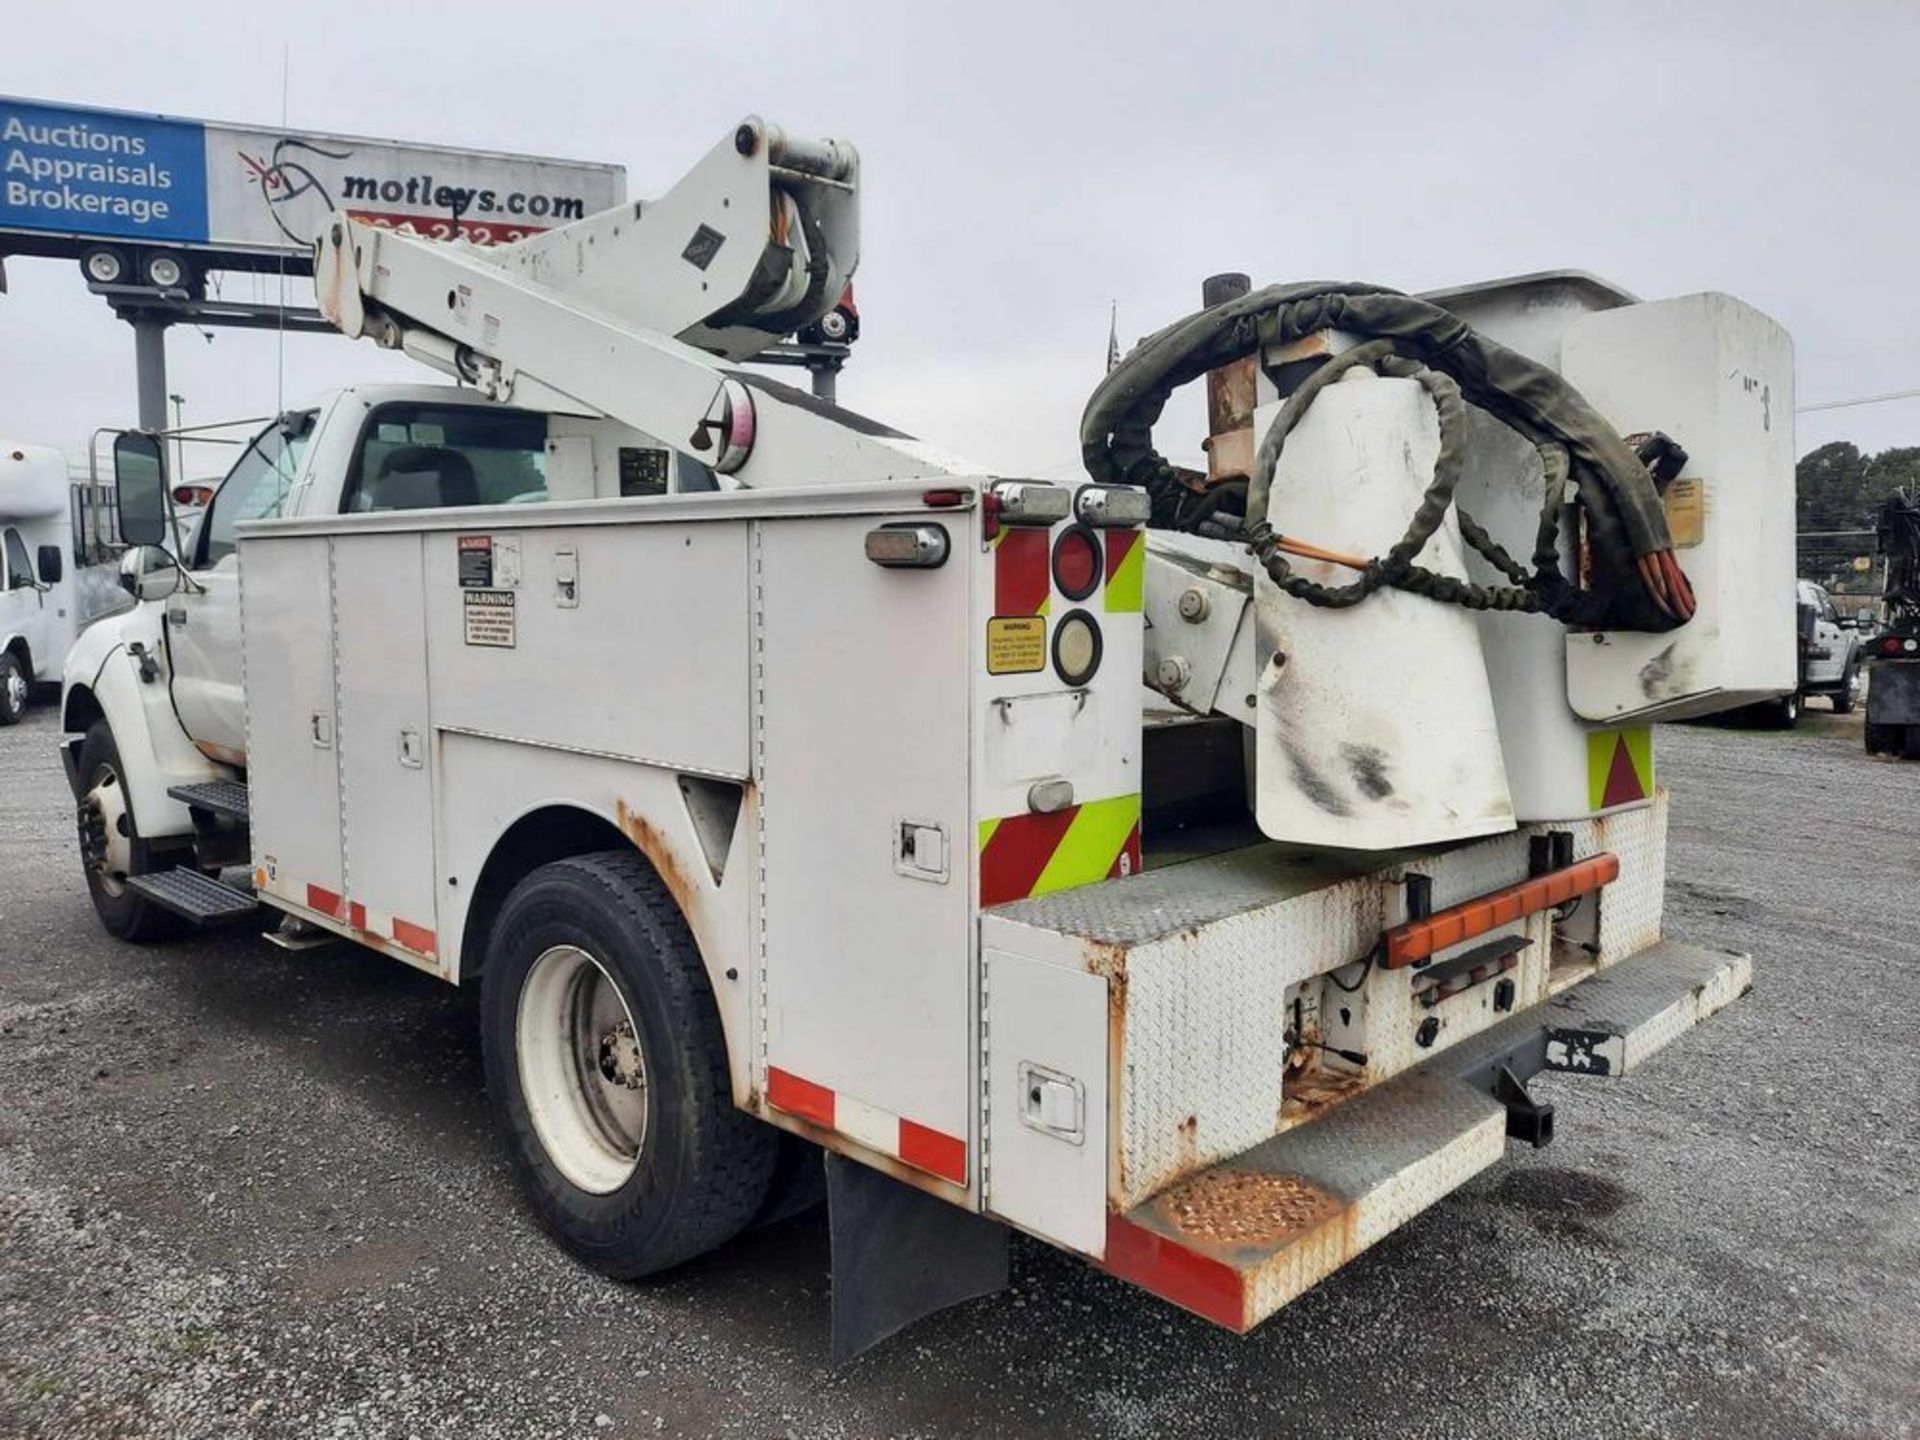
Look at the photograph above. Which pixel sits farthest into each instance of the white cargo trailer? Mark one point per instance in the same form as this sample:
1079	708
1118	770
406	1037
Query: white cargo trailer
775	775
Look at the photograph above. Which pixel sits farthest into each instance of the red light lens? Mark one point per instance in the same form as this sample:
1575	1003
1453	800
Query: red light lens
1076	562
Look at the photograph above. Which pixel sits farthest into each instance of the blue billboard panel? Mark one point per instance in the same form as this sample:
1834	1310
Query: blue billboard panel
101	173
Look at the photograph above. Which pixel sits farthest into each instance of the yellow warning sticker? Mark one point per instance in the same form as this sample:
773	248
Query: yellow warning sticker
1016	644
1686	501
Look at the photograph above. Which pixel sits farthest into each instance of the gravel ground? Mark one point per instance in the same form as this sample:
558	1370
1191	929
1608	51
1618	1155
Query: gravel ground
245	1192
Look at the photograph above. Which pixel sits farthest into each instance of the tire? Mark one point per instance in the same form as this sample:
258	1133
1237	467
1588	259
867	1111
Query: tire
124	914
13	688
1848	695
636	1163
1784	713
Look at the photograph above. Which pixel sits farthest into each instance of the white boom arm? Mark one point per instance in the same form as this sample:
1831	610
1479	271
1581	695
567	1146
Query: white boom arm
632	313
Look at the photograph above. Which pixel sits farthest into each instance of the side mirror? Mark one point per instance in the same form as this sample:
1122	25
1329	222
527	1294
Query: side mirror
140	488
148	573
50	565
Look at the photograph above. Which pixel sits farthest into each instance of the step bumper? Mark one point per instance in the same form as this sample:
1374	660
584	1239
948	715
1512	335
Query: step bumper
1236	1242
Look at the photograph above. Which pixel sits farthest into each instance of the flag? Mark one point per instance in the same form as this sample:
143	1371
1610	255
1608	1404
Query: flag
1113	336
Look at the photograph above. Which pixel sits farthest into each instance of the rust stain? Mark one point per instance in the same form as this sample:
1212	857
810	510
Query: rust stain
1247	1207
220	754
1316	1093
646	835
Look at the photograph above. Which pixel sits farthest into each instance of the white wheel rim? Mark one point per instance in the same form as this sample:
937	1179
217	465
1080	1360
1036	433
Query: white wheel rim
110	800
583	1070
16	690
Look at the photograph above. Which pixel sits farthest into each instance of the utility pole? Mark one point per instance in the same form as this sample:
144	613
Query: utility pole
179	437
150	368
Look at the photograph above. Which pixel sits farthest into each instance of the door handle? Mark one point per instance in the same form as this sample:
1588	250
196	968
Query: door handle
322	730
412	752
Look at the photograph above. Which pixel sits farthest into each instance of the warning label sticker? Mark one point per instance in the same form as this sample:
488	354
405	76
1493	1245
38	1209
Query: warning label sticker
490	618
476	561
1686	502
1016	644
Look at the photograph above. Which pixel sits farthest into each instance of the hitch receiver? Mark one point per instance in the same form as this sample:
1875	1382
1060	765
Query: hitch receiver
1527	1119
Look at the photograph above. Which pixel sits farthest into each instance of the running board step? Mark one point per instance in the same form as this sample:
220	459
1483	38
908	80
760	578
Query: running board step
1238	1240
217	797
196	896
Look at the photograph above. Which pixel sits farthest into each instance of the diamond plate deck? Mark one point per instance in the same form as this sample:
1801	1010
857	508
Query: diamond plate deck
1201	958
1239	1240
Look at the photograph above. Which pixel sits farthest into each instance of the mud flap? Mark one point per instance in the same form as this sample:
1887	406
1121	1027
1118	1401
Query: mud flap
900	1255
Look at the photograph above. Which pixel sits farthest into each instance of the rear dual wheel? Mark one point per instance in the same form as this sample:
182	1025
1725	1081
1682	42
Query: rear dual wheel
607	1066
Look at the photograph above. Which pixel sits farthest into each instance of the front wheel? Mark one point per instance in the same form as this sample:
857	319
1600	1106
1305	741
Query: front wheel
1784	713
13	688
1848	695
110	847
606	1063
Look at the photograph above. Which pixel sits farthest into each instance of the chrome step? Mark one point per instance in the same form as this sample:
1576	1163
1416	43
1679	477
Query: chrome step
217	797
197	896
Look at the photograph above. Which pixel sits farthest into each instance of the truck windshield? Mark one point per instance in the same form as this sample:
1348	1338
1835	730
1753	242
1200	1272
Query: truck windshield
257	486
426	456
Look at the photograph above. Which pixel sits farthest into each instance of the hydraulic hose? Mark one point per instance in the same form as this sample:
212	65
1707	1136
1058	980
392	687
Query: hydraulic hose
1635	582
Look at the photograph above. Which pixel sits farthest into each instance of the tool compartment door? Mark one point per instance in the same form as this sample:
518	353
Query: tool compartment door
293	776
386	763
861	681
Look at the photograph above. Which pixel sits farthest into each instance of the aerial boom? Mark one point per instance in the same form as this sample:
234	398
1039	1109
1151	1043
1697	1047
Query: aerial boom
637	313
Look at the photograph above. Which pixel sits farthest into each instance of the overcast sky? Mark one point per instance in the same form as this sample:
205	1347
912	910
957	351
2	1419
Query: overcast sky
1023	165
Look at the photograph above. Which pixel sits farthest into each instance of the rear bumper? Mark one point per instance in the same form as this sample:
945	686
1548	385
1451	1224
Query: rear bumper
1240	1239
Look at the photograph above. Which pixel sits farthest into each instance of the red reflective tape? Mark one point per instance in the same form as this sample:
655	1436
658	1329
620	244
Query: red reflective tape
1120	544
1127	862
325	901
1022	580
1423	939
356	915
1019	850
416	938
799	1097
1210	1288
1623	781
933	1152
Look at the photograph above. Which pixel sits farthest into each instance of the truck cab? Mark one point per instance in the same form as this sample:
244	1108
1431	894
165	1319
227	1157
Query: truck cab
166	674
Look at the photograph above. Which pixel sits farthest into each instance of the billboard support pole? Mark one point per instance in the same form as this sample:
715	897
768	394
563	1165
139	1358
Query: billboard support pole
150	369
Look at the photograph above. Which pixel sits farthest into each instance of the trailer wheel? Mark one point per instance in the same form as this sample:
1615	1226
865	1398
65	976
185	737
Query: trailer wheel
109	845
13	689
606	1062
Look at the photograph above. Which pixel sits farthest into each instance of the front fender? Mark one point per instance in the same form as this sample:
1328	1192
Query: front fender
104	674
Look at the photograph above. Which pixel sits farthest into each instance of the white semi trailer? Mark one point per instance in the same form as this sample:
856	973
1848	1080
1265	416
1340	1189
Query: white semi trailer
784	783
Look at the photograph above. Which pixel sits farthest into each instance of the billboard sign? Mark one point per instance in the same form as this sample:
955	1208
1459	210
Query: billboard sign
110	175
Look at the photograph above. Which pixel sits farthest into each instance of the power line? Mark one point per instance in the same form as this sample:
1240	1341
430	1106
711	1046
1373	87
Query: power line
1858	400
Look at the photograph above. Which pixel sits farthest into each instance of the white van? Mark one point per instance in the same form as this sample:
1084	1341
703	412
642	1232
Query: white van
57	550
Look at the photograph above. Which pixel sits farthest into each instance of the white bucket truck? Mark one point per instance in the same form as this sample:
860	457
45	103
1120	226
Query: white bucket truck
787	785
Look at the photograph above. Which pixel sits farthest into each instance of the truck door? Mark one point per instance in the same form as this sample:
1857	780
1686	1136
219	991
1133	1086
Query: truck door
1829	653
203	622
386	764
23	610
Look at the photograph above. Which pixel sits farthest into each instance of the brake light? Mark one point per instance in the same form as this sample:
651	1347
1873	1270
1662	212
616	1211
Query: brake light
1076	562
